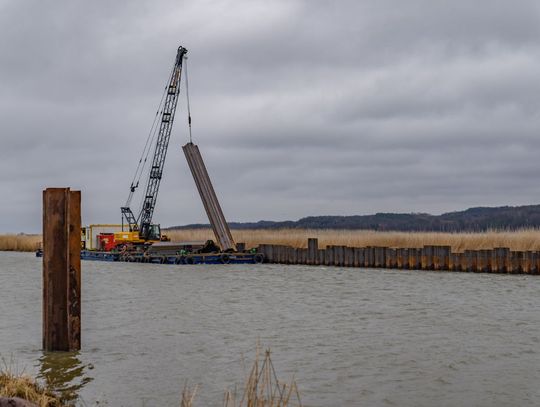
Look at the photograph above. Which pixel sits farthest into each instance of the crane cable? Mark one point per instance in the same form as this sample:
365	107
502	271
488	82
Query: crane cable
146	150
187	97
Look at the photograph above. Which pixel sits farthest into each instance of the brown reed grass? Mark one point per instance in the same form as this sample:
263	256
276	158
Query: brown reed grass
20	243
526	239
262	388
25	387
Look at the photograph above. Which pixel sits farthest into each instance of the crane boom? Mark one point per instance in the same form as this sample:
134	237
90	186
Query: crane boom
143	223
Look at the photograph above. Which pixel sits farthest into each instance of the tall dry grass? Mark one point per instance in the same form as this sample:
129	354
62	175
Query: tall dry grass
261	388
528	239
25	387
20	243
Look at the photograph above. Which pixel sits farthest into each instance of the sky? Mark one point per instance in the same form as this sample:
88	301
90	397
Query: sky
299	107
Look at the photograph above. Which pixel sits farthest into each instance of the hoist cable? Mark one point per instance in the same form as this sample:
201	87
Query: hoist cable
147	148
187	97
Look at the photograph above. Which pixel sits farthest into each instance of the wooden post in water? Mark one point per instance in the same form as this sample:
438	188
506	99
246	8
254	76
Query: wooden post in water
339	255
517	261
321	256
427	257
269	252
527	262
329	256
358	257
453	264
494	265
390	257
445	252
480	261
470	260
412	256
313	247
378	258
534	263
61	269
399	258
348	256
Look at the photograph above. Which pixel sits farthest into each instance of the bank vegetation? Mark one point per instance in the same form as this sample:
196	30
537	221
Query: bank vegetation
24	387
20	242
526	239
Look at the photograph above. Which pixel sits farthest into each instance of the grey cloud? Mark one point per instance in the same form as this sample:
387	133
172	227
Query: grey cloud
299	107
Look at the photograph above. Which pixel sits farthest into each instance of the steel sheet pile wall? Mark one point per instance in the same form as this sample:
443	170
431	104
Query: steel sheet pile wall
209	198
498	260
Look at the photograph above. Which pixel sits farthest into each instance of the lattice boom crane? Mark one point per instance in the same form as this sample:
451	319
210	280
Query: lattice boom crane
143	222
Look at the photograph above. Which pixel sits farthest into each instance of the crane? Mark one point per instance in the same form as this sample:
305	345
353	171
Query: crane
141	225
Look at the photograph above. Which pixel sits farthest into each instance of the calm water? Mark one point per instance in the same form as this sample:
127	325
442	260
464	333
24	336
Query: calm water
352	337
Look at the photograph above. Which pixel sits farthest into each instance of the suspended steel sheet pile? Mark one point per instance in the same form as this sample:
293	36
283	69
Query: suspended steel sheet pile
208	197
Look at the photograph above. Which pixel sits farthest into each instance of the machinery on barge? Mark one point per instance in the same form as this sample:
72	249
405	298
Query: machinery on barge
137	238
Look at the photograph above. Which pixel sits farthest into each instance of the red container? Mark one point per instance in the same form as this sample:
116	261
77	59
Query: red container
106	241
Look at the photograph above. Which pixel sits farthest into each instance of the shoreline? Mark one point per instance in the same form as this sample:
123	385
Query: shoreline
520	240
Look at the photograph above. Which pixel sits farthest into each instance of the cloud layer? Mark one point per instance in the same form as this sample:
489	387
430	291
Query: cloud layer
299	107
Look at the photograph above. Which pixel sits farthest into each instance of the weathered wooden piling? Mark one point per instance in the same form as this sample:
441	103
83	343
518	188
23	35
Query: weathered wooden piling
483	264
438	258
349	257
322	254
313	255
61	269
517	262
415	259
454	262
358	256
339	256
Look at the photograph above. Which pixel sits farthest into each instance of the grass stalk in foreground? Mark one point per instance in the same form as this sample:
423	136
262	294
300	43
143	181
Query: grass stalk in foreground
261	388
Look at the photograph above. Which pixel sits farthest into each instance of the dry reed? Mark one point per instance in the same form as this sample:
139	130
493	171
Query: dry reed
20	243
24	387
527	239
263	389
188	395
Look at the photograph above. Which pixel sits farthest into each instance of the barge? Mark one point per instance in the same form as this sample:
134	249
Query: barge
190	258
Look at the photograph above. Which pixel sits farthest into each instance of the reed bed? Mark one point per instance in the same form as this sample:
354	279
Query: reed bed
526	239
26	388
20	243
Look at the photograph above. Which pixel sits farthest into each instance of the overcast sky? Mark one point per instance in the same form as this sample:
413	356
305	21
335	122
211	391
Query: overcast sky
299	107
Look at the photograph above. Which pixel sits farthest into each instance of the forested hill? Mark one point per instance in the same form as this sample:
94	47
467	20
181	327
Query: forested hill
473	219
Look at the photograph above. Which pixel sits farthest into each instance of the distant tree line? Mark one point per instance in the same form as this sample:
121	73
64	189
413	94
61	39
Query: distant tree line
471	220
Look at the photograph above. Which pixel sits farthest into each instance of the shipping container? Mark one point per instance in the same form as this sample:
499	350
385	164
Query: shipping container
89	234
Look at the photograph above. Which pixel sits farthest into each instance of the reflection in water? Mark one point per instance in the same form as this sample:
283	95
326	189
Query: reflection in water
64	373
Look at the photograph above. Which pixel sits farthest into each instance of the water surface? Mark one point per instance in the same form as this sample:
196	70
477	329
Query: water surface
352	337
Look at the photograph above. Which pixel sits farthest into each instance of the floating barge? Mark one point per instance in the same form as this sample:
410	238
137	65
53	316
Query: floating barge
200	258
192	258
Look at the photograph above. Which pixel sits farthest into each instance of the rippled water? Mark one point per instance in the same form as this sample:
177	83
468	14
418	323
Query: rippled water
352	337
